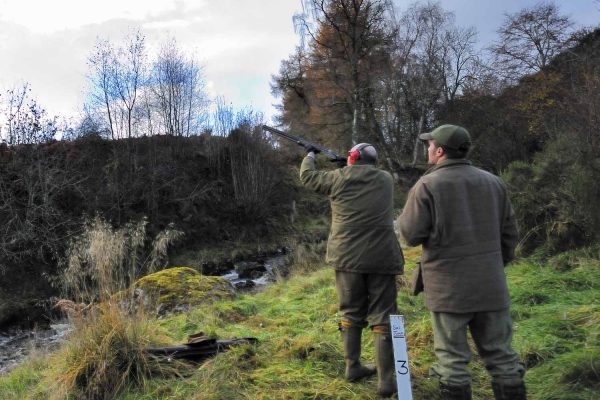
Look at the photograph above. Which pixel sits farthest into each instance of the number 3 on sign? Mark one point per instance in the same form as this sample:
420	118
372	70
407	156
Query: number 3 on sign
401	357
402	369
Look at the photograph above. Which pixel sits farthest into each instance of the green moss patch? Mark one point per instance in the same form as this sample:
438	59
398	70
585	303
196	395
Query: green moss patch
182	287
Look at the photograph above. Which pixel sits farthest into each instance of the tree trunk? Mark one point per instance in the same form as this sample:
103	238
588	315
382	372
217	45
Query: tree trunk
417	146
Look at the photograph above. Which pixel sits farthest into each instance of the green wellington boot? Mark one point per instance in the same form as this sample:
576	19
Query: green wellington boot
452	392
509	392
354	369
386	374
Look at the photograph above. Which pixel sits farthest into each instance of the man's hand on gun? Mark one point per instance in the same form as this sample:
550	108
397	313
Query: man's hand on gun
309	148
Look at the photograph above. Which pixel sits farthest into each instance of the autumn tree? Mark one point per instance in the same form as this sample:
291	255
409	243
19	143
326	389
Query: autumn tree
293	87
348	44
369	76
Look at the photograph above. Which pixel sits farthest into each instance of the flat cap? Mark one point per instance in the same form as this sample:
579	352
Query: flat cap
452	136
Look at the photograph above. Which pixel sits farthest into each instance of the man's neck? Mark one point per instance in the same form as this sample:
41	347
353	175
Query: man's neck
441	160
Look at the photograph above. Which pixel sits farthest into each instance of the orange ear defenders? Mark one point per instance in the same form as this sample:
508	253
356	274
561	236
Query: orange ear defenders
356	154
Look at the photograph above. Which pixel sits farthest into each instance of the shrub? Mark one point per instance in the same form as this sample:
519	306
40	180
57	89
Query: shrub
555	198
104	261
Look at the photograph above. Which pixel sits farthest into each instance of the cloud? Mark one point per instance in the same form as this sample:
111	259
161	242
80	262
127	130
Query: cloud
239	43
45	17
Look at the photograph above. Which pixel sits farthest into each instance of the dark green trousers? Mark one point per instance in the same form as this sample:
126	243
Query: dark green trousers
366	299
492	333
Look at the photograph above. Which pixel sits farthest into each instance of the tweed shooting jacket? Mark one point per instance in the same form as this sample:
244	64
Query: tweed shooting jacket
464	220
362	237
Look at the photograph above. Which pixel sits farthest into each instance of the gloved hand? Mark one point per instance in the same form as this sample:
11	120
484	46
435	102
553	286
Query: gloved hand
310	148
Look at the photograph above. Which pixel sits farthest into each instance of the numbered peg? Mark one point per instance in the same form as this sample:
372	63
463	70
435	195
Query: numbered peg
401	357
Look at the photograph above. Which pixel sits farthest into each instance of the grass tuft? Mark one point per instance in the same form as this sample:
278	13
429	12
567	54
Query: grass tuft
105	354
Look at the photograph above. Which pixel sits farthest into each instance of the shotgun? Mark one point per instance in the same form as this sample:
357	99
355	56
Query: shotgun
333	157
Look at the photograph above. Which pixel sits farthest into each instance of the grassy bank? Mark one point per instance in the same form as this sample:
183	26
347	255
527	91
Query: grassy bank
555	308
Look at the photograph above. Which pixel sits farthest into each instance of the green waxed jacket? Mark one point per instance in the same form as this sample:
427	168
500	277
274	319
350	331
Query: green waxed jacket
463	218
362	237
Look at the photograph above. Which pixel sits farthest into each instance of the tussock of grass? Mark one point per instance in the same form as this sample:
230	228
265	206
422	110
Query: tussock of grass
104	355
299	353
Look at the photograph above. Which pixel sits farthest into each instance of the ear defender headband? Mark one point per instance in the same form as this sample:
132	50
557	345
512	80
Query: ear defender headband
356	154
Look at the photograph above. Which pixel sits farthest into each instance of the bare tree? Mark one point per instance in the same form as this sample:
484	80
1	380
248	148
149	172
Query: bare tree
462	59
101	80
128	69
178	86
25	121
116	77
432	61
530	38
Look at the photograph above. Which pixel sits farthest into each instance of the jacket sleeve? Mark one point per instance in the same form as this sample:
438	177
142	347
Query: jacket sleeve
510	233
319	181
416	220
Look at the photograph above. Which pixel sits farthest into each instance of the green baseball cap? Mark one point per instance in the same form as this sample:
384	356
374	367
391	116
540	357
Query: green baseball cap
452	136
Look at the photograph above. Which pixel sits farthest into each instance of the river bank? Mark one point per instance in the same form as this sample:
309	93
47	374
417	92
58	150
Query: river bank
19	340
299	354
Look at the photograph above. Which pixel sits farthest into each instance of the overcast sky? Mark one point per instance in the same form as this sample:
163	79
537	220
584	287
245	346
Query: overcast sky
240	42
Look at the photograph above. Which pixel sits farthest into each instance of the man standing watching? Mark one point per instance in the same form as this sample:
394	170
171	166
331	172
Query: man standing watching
464	220
365	253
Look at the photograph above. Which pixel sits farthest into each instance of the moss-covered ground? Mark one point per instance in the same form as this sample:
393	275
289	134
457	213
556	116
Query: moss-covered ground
556	311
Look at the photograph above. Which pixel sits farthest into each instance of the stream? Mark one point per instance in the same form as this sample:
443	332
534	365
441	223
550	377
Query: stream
16	344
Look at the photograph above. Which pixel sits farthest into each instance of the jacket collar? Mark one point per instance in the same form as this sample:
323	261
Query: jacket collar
362	162
448	163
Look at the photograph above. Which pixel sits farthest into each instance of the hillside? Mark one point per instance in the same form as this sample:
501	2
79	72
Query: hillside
298	356
217	191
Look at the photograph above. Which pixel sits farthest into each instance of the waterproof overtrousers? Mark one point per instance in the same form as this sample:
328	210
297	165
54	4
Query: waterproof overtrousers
509	392
355	371
386	374
452	392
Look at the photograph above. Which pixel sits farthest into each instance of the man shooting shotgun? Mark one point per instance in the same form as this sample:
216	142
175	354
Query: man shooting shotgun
308	146
363	249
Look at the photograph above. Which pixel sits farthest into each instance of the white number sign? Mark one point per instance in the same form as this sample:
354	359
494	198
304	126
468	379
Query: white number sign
401	357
